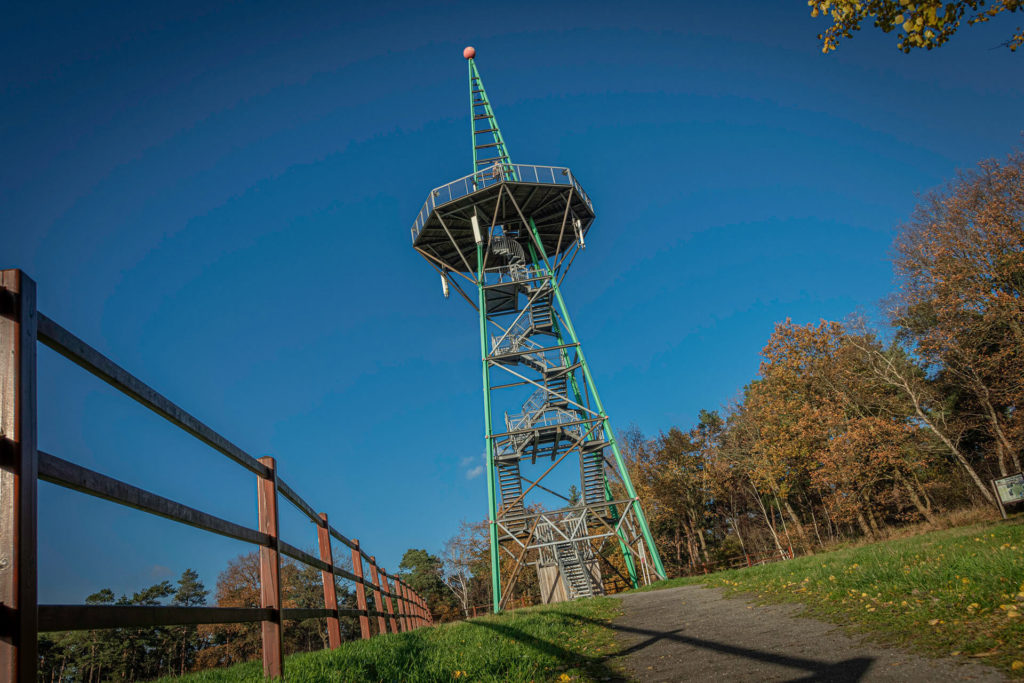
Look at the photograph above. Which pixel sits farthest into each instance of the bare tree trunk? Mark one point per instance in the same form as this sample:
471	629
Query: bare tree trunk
998	429
918	504
923	493
691	546
814	520
1001	459
894	377
768	521
797	524
863	524
736	527
785	530
700	537
829	523
873	521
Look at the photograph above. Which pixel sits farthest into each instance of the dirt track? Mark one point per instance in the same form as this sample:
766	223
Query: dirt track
694	634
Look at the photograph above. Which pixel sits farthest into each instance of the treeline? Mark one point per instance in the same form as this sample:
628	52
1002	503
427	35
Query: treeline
138	654
850	427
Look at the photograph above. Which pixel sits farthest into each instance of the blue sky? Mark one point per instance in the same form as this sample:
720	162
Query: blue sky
218	197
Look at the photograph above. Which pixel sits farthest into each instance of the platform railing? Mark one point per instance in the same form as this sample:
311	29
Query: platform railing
395	606
493	175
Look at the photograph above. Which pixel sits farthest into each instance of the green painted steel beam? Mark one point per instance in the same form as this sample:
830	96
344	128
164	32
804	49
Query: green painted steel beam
492	501
609	435
491	122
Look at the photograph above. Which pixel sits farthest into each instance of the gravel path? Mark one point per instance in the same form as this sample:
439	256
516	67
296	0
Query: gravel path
692	633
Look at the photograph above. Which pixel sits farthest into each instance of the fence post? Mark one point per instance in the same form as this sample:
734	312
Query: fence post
270	572
403	604
357	569
413	619
382	626
323	531
388	601
403	608
18	477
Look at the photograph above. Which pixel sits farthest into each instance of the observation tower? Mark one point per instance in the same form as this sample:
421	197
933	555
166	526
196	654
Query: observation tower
560	500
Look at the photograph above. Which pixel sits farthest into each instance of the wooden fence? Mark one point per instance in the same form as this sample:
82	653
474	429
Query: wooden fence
396	607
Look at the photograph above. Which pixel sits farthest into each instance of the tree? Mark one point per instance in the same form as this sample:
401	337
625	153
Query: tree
140	651
894	367
424	574
574	496
919	23
465	565
186	640
960	262
237	586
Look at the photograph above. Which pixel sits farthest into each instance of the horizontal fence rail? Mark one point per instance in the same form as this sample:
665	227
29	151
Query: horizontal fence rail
395	606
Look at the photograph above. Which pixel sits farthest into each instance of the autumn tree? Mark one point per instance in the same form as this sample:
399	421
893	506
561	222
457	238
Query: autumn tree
918	23
960	262
238	585
826	430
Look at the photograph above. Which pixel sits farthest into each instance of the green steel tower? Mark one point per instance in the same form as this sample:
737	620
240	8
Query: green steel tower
504	237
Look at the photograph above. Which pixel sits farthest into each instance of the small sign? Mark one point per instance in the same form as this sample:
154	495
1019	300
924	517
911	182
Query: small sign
1011	488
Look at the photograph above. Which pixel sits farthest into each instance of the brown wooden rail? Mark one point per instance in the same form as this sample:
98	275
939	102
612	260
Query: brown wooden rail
22	465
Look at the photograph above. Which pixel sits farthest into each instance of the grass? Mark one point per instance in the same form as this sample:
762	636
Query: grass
559	643
957	592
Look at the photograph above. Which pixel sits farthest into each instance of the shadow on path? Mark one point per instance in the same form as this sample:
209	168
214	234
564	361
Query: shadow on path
846	671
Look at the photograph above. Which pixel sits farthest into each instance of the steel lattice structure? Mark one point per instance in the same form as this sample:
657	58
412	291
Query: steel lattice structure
511	232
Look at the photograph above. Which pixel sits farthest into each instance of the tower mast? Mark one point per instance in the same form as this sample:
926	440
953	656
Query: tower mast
488	144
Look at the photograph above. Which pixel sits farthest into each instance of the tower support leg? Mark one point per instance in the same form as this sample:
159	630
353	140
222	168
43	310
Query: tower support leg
609	435
492	501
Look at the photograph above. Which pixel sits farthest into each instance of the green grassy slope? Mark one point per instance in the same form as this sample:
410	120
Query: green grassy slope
534	644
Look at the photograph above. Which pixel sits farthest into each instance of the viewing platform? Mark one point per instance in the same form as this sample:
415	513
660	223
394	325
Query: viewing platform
550	195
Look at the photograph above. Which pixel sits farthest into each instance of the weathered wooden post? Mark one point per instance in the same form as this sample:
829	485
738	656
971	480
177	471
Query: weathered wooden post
357	569
270	571
413	614
375	580
19	469
403	602
389	602
323	531
414	611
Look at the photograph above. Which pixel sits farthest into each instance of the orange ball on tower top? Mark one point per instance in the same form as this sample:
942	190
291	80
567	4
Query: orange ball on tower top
469	52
